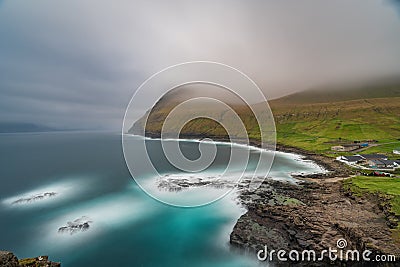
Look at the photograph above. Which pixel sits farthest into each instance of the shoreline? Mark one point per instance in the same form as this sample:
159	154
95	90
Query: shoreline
334	168
313	214
325	212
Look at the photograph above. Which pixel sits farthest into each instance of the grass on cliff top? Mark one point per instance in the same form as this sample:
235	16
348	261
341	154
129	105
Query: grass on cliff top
33	262
28	262
384	185
373	184
317	127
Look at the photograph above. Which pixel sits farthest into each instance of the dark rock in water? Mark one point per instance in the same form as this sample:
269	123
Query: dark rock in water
78	225
33	198
176	184
8	259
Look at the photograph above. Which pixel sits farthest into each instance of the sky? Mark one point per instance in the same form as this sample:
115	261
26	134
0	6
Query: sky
75	64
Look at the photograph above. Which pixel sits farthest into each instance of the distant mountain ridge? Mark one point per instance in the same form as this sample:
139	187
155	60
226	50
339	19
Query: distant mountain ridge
339	95
22	127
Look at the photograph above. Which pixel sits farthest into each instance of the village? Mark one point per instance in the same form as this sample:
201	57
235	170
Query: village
375	162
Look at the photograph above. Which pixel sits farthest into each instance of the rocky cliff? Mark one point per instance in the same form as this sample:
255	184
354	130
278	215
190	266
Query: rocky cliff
8	259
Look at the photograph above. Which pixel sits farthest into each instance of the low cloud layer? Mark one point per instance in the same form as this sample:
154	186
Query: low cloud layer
75	64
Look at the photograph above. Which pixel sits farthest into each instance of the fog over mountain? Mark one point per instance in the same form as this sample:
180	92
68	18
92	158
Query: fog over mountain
76	64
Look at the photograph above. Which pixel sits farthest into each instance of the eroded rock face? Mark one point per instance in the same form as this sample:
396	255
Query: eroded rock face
312	216
8	259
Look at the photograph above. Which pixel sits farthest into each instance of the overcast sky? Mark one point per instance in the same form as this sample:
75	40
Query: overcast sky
76	63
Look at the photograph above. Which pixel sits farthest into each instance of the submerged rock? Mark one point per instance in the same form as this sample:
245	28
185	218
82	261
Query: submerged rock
175	183
33	198
78	225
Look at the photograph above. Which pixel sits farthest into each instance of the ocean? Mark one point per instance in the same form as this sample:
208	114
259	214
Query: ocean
86	180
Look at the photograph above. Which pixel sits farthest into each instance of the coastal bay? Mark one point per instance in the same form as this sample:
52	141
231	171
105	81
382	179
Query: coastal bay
313	212
88	174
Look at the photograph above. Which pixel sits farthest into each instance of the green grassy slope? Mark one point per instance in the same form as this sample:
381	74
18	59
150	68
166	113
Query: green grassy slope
201	126
303	123
318	126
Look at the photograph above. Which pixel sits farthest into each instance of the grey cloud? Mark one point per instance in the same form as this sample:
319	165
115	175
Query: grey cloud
60	59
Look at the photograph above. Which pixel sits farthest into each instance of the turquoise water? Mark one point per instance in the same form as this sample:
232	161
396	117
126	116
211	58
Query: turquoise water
128	228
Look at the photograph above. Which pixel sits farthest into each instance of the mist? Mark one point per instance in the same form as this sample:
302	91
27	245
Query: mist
76	64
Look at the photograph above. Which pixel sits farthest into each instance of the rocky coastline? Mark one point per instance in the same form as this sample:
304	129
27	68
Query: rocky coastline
314	215
311	215
8	259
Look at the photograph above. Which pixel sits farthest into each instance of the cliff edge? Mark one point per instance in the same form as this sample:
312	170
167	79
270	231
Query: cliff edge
8	259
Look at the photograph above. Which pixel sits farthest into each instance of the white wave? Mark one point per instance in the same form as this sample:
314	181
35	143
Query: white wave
309	163
312	167
62	190
194	140
105	215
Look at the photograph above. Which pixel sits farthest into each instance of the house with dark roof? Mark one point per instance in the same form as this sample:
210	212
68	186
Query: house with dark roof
373	156
389	163
375	163
382	163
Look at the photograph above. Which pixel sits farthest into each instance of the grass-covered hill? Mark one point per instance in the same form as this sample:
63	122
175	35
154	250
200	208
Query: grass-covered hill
198	127
317	126
312	120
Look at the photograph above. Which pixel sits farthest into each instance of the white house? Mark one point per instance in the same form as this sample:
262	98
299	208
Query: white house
350	159
396	151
